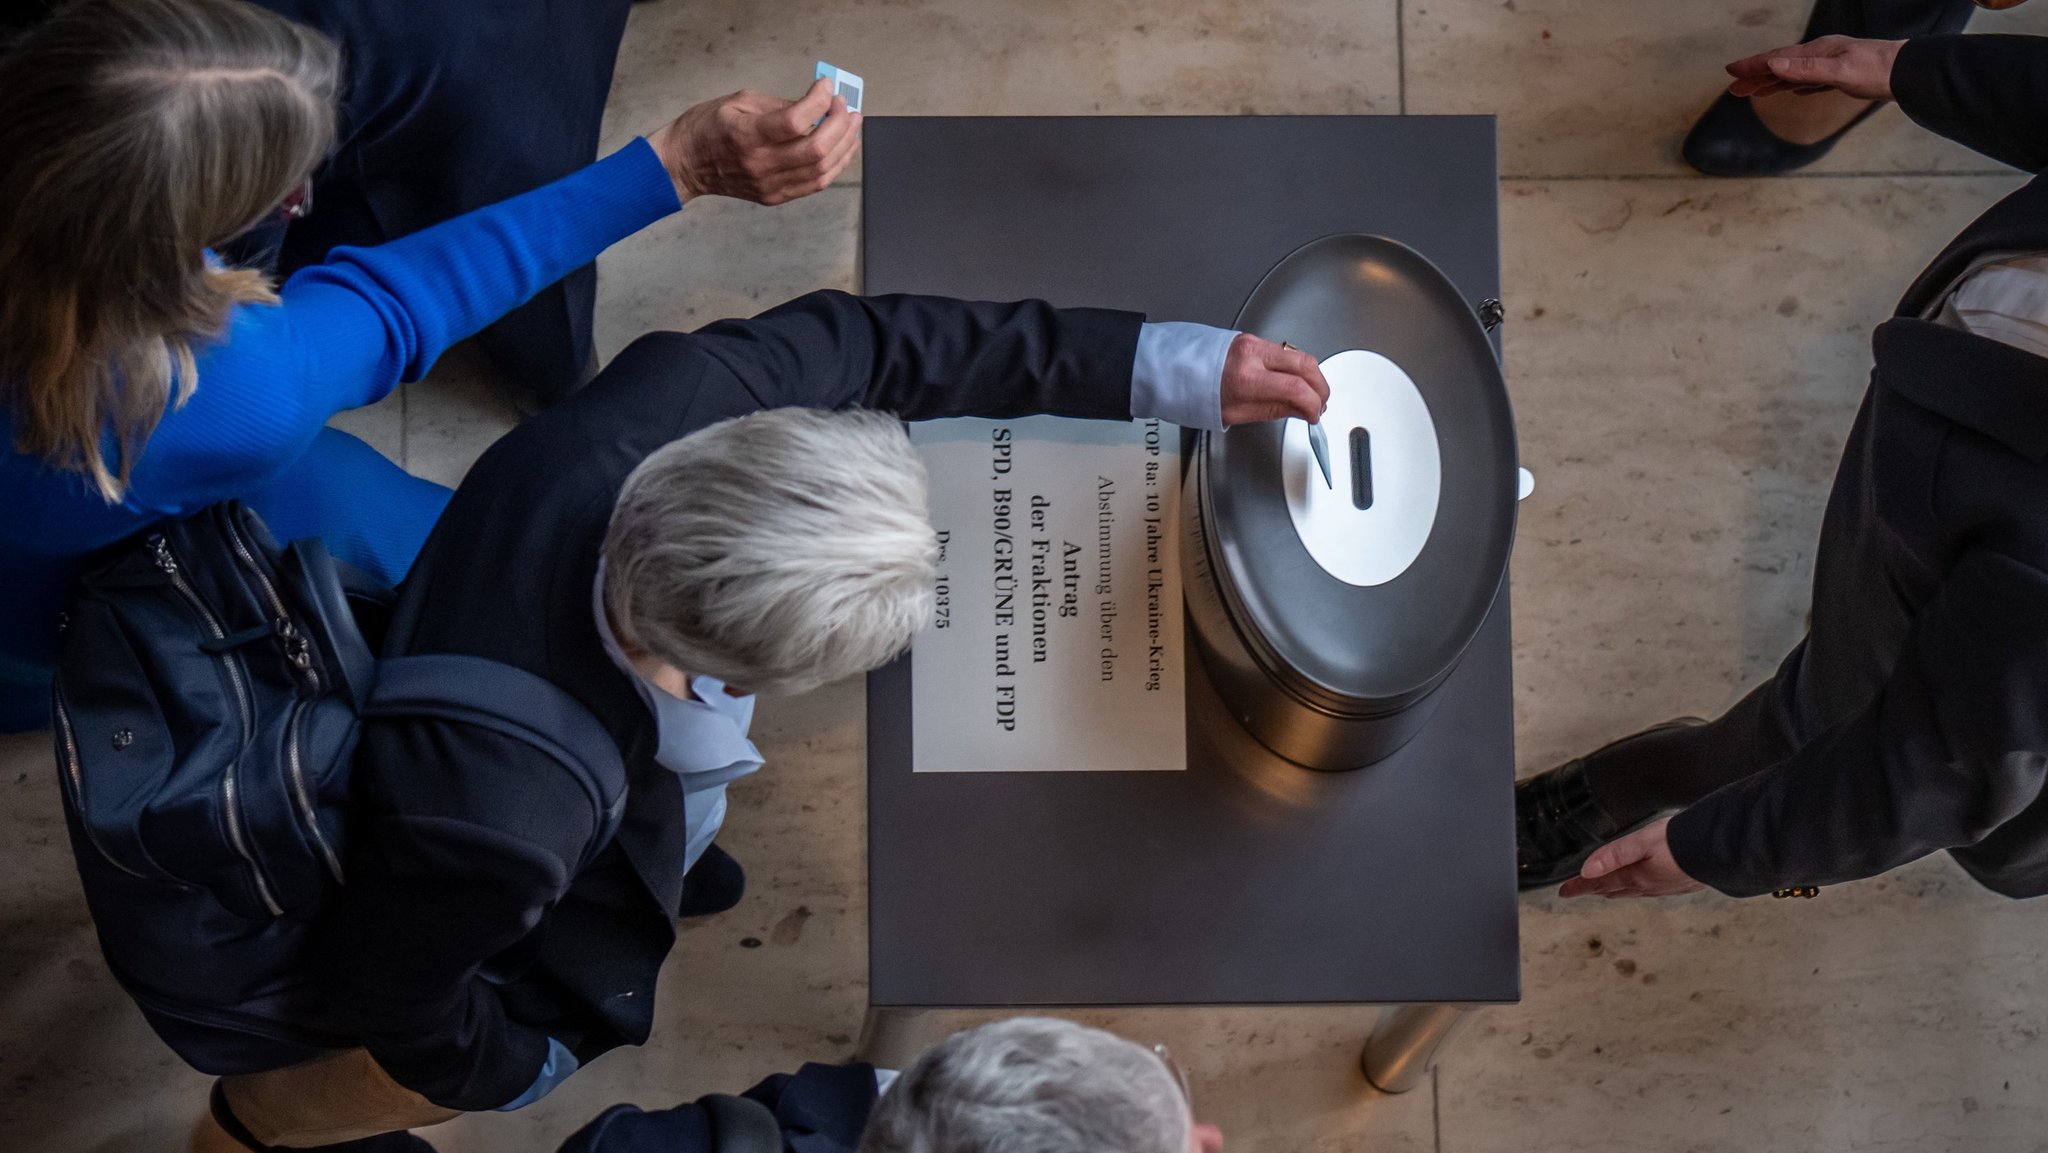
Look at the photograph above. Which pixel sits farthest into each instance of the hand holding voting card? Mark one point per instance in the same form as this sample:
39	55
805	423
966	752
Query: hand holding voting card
1056	644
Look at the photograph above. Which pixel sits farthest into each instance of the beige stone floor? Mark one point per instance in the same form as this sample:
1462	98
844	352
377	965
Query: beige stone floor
1685	355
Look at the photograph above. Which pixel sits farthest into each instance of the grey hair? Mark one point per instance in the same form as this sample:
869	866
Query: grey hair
776	551
1032	1085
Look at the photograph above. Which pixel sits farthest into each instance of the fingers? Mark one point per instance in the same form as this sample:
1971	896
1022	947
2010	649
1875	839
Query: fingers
1623	883
795	120
1616	855
838	165
1303	367
1822	71
1257	394
825	142
1757	67
1758	75
813	163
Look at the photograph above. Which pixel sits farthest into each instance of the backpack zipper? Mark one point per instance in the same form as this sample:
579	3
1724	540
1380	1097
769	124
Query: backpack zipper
234	816
305	801
73	769
297	649
161	550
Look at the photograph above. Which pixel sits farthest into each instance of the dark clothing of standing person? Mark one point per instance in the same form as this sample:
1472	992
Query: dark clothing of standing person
1914	716
817	1109
1729	139
448	107
481	920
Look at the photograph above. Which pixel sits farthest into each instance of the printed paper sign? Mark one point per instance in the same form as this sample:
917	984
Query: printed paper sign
1056	645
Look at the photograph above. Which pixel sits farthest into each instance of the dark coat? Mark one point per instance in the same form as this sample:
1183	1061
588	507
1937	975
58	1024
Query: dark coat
468	934
448	107
1919	700
819	1108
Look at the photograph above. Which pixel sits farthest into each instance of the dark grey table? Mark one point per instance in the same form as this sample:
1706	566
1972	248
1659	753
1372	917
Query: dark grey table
1244	880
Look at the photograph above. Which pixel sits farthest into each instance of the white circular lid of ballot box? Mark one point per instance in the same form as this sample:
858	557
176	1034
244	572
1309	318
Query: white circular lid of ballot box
1371	520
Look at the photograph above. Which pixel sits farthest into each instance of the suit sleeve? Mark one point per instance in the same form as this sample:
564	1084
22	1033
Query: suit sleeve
820	1109
924	357
1953	746
1989	93
443	880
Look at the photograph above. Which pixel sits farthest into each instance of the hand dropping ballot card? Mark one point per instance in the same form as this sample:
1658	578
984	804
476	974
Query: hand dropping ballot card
1056	642
844	83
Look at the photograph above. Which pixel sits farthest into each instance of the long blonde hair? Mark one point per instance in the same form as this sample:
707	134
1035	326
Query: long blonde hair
134	134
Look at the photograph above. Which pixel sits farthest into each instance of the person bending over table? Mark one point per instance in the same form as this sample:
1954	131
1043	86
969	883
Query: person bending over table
1914	716
718	513
142	379
1036	1083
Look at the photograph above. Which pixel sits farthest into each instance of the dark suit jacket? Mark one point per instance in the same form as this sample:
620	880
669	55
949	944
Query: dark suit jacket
820	1109
1920	697
468	934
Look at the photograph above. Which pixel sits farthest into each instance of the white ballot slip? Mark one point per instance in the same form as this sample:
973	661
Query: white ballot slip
1056	645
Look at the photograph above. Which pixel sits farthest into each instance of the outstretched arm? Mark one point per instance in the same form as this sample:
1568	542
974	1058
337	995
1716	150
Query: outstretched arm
1953	746
924	357
1989	93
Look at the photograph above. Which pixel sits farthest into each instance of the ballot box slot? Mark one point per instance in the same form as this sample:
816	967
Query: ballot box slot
1361	469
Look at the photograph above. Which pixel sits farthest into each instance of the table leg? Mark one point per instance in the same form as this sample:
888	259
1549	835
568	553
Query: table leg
1406	1043
891	1038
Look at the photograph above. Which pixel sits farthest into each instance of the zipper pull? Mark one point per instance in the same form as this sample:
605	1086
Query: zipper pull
295	646
161	550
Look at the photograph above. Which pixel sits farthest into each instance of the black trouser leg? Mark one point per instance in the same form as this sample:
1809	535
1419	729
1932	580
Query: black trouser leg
1886	19
1638	777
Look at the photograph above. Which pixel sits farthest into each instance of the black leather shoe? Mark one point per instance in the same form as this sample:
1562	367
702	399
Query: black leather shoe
1729	140
1558	822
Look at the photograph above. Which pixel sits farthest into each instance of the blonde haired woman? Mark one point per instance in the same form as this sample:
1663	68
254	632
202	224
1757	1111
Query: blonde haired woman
141	379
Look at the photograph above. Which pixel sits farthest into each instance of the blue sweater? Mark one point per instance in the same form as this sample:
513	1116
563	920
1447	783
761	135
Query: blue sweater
343	335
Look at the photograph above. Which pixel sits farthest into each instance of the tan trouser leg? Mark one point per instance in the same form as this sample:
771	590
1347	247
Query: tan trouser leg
344	1097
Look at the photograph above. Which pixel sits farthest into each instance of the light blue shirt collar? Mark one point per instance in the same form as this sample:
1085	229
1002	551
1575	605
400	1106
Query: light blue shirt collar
703	741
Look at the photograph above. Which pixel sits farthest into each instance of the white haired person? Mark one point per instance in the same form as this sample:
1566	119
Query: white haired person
718	513
1039	1085
1025	1085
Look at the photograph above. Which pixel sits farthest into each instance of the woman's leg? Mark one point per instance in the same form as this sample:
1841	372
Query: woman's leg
367	510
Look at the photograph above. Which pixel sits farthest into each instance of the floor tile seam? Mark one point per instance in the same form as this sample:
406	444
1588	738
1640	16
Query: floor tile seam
1401	51
1436	1109
1873	174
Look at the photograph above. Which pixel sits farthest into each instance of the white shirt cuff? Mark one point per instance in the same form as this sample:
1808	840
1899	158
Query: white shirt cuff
1178	374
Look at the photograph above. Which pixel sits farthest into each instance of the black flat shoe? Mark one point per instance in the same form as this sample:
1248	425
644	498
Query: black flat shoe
1558	822
1729	140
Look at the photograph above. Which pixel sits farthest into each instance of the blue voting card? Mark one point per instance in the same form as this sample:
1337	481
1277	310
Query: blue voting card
844	83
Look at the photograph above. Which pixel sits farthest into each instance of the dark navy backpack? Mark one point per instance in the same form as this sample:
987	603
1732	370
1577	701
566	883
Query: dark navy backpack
207	706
